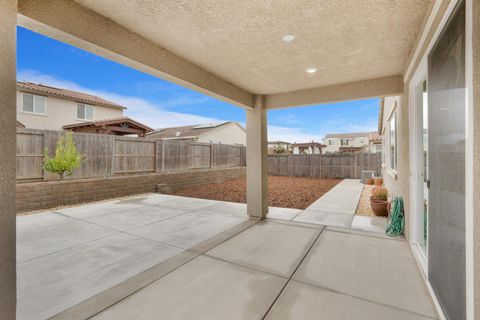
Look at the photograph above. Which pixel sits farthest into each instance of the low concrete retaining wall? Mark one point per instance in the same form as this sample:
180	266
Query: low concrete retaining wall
46	195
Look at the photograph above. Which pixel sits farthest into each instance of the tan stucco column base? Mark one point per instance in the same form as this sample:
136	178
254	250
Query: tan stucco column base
257	176
8	87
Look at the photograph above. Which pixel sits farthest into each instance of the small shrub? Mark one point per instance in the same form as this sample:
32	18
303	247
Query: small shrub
66	158
380	193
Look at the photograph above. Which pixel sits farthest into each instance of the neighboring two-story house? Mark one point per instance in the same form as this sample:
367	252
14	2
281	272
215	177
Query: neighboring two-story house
352	142
228	132
307	148
44	107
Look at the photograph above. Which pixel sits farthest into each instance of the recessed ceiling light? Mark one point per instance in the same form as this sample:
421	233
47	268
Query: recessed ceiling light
311	70
288	37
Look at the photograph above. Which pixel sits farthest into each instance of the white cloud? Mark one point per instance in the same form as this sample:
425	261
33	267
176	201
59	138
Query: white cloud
157	115
153	115
334	125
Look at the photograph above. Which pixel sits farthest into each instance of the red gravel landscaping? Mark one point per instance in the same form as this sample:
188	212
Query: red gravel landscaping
285	192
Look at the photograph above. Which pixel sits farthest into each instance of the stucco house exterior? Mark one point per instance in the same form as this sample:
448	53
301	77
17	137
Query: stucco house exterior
228	132
44	107
352	142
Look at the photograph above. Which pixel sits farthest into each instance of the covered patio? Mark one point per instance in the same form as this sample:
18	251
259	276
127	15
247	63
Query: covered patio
260	56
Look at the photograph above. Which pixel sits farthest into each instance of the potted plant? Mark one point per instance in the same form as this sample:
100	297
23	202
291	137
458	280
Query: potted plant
378	181
379	201
369	181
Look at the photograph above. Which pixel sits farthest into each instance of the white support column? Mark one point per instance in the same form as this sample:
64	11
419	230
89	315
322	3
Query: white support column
8	87
257	175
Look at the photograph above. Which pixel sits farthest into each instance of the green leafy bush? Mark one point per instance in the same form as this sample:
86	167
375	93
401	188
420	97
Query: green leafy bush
66	158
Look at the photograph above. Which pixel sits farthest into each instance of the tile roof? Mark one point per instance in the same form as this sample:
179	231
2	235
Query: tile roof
67	94
188	131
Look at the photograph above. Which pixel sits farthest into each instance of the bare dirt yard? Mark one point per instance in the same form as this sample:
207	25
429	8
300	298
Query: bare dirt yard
285	192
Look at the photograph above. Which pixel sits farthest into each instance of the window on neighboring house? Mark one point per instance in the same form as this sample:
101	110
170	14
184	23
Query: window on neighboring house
393	142
34	104
344	142
84	111
362	141
330	142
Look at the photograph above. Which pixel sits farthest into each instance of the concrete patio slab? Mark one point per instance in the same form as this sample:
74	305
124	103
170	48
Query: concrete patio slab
371	224
99	208
282	213
306	302
149	199
215	258
231	208
188	203
53	283
372	268
325	218
189	229
204	288
268	246
41	219
47	239
131	219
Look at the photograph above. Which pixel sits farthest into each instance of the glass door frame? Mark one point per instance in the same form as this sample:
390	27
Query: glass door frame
416	163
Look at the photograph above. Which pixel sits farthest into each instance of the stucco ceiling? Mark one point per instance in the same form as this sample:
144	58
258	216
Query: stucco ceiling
241	41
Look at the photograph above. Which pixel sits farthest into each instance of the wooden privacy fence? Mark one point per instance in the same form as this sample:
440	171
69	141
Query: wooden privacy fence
327	166
107	155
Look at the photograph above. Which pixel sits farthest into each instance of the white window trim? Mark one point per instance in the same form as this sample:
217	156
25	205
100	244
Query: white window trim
86	105
393	172
43	114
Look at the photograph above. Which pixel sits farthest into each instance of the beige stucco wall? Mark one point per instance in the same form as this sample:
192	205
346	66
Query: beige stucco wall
227	134
397	182
60	112
8	23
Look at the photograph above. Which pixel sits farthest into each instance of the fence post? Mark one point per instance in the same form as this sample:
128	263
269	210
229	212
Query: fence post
111	172
163	157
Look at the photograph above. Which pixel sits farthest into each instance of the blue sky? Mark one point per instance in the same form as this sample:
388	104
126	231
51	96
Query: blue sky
159	103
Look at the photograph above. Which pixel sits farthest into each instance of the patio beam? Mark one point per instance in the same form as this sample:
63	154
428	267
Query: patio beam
257	175
8	88
364	89
70	22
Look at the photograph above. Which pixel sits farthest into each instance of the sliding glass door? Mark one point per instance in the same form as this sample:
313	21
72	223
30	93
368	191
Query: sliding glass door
446	166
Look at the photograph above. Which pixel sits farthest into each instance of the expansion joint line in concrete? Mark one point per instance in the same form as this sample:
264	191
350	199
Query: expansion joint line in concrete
293	273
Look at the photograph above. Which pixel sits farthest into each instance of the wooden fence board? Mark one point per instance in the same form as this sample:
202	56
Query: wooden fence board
134	155
327	166
29	155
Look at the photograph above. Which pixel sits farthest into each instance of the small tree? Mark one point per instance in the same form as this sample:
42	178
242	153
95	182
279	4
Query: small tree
66	159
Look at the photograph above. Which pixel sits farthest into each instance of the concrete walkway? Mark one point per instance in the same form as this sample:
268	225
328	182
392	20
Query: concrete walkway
336	207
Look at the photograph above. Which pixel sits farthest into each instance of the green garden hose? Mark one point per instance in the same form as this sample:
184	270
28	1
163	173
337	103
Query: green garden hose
396	221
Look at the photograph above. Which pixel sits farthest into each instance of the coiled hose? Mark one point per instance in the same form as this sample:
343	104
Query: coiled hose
396	221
